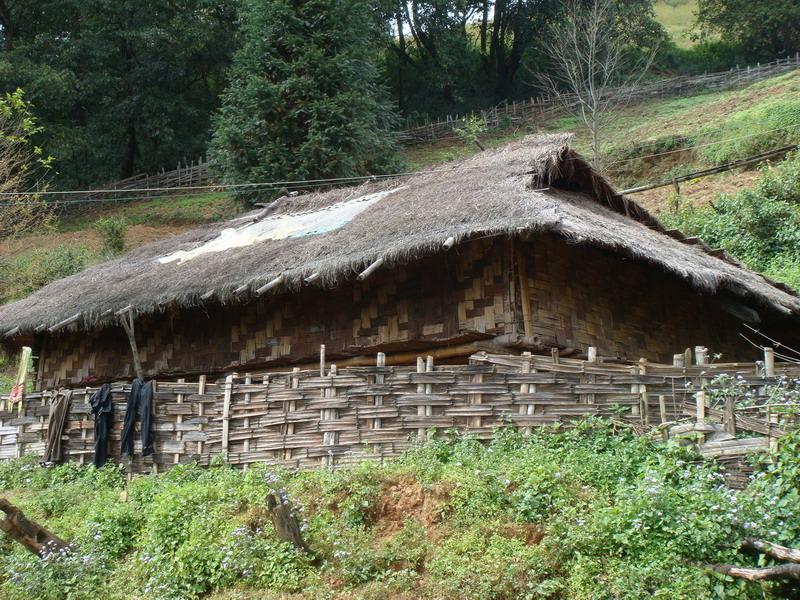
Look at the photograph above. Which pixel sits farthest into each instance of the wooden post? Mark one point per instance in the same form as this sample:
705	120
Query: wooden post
86	398
769	362
636	409
330	438
701	413
322	360
591	354
662	408
176	458
201	390
30	534
527	317
772	417
730	416
285	523
420	390
248	379
380	362
525	388
289	407
554	354
643	399
126	317
429	390
701	355
678	361
153	420
226	414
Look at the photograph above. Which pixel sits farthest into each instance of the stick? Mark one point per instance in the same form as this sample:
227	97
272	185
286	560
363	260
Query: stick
791	571
752	545
30	534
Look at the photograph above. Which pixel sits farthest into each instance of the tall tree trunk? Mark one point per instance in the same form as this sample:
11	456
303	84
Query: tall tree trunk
484	26
402	58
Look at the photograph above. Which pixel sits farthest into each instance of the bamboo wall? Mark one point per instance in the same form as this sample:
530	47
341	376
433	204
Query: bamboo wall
571	296
329	417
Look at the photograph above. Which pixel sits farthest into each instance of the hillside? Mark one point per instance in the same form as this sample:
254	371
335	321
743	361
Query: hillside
590	512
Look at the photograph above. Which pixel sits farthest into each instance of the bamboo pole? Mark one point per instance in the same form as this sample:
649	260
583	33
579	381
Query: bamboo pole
226	414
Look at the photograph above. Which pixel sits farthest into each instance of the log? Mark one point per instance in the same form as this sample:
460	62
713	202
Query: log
30	534
752	546
790	571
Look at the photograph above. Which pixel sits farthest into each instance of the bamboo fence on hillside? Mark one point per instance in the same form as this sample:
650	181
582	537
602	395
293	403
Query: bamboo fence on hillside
329	417
543	108
196	173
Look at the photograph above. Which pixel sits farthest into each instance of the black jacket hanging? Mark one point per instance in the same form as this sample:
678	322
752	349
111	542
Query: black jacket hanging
102	410
139	402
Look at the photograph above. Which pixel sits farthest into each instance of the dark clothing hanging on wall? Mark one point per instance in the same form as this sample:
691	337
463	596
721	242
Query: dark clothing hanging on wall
59	407
103	415
139	403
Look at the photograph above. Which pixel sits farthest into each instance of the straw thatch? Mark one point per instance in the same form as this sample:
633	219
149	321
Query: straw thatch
535	185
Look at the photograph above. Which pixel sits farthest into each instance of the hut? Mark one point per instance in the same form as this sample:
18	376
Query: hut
524	247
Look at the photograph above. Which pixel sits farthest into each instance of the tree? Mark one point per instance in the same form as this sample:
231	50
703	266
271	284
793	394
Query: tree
24	169
766	30
508	30
594	64
121	86
304	100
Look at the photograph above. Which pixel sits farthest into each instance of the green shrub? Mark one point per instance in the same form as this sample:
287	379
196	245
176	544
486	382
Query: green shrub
112	232
589	512
58	576
760	227
483	565
22	275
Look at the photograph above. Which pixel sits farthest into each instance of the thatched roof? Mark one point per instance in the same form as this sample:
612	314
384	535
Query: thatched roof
535	185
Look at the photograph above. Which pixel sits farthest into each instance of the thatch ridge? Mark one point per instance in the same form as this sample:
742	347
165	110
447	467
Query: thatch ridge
535	185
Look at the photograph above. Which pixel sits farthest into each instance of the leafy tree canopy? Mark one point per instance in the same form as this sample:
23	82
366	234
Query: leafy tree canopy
767	29
304	100
121	86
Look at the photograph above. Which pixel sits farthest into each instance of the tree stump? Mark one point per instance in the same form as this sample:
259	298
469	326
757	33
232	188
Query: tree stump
285	523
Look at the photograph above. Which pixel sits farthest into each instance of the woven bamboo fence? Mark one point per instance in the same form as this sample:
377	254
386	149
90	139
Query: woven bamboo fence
188	174
543	107
329	417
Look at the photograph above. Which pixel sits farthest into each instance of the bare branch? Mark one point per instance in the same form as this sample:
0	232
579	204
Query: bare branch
591	67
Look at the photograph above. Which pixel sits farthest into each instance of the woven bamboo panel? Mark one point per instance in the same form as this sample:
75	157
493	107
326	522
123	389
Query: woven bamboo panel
436	300
307	419
583	296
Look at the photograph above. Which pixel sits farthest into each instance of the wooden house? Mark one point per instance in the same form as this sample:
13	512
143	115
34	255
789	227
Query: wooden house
520	248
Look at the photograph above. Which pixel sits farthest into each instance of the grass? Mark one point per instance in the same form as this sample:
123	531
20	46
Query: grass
677	17
74	242
727	124
167	210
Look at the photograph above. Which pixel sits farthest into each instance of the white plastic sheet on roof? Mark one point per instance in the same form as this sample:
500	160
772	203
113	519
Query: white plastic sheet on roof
284	226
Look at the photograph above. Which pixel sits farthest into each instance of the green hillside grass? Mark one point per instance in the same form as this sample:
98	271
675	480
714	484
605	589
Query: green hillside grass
73	243
677	17
586	513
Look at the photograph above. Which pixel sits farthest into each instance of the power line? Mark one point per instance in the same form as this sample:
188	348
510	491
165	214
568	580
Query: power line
313	183
260	185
